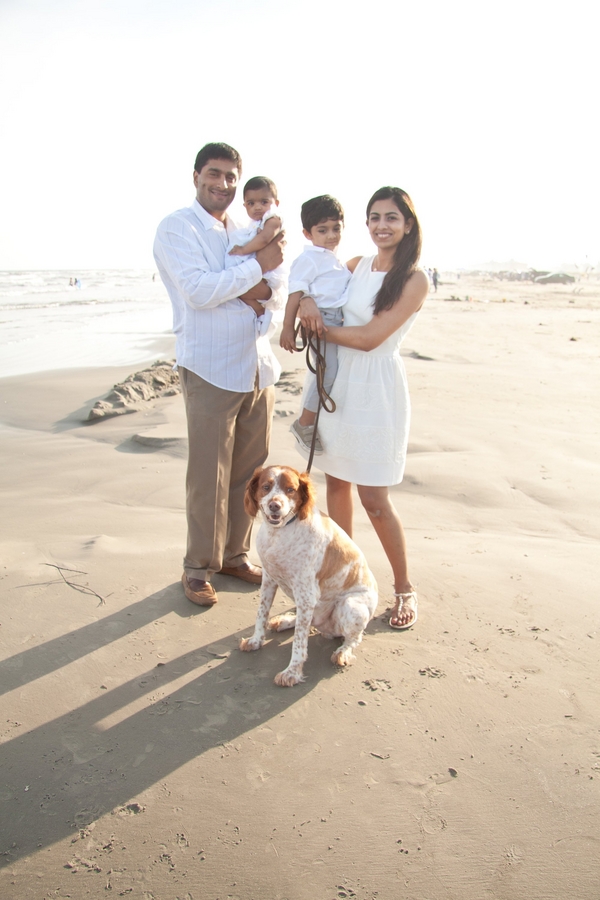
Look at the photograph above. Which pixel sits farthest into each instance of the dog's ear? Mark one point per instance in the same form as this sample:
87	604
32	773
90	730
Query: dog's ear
308	496
250	499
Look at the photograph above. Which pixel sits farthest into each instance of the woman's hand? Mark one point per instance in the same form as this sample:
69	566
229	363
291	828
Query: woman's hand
309	315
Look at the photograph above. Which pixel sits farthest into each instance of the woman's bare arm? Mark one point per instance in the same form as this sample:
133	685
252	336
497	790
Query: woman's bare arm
369	336
308	311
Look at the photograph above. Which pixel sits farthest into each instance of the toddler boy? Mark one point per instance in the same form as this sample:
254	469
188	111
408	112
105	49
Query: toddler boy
317	273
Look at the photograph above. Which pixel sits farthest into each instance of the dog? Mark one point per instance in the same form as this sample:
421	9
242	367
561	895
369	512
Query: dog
314	562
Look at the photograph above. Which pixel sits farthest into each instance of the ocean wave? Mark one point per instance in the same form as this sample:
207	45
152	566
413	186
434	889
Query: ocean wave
16	283
74	302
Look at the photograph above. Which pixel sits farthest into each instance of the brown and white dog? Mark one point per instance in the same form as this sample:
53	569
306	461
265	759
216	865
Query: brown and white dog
314	562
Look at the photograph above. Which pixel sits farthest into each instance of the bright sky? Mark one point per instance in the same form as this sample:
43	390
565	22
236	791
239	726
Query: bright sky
485	112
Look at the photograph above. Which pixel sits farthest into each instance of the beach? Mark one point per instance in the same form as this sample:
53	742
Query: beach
144	756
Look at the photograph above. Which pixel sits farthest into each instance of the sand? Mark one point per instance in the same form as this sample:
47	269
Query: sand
144	755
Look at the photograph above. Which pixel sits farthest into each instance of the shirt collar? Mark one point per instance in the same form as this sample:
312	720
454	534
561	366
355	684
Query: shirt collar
206	220
311	247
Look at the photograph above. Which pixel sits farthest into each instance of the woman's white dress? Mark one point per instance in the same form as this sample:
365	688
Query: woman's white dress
365	439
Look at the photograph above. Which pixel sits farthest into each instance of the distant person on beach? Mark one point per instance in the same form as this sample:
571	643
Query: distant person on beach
435	279
317	273
365	439
226	367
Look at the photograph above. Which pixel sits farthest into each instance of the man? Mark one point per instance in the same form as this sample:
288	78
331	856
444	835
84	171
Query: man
226	368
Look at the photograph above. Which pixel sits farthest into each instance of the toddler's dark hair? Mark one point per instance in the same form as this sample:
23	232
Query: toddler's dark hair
259	182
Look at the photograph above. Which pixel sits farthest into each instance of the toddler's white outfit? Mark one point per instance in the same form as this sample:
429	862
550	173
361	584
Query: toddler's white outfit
276	278
321	275
242	236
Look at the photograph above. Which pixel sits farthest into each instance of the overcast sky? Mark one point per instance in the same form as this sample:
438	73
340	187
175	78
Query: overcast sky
486	113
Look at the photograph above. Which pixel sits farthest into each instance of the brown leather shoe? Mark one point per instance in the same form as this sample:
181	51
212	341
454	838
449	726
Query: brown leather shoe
202	593
247	572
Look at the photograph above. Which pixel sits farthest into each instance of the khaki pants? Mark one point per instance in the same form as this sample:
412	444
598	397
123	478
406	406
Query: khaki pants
229	434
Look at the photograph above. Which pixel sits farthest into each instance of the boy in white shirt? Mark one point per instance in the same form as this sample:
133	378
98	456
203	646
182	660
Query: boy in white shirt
319	274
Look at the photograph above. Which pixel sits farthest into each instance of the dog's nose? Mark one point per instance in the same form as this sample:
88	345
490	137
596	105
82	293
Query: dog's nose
274	506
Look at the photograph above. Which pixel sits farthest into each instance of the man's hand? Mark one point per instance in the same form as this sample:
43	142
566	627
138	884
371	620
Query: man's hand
272	255
309	315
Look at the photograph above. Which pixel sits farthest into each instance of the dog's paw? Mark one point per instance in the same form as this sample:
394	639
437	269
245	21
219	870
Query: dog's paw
343	658
282	623
288	678
250	644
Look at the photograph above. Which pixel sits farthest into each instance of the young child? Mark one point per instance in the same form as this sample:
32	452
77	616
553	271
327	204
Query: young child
318	273
260	200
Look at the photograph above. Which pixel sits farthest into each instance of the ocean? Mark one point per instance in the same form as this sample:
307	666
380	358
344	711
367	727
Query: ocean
113	318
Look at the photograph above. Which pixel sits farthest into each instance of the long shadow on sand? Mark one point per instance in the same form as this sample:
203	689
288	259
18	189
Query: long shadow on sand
35	662
81	765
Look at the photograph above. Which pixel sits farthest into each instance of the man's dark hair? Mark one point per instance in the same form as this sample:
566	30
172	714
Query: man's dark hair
320	208
260	182
217	151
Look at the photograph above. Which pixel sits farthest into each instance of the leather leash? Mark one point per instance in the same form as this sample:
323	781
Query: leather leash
312	343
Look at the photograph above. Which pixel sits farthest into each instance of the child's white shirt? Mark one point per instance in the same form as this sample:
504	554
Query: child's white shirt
238	238
319	273
277	277
242	236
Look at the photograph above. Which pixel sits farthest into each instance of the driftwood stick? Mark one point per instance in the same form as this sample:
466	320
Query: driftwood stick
82	588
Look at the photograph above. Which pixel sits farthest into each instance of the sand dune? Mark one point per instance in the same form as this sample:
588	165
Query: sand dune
144	755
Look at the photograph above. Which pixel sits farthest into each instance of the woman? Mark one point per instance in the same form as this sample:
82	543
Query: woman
365	439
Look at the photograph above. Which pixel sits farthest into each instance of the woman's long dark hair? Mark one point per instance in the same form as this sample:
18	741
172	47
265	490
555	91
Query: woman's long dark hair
407	252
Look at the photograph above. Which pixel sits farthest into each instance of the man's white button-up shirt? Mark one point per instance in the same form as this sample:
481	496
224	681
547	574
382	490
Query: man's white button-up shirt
218	336
320	274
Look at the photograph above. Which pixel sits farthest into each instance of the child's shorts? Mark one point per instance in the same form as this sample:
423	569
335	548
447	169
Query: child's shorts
311	396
